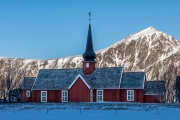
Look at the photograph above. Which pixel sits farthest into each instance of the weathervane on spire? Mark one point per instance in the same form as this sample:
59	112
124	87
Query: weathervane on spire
89	17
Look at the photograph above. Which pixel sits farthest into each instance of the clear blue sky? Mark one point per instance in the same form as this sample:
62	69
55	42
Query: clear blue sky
47	29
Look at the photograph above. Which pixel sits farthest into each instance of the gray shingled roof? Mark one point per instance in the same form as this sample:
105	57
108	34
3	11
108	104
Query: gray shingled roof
154	88
104	78
51	79
133	80
27	82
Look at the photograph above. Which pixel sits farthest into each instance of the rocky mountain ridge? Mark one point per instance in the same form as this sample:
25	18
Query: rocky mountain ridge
149	50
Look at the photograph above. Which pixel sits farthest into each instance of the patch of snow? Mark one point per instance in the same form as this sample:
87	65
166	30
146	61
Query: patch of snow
89	111
144	32
26	61
169	54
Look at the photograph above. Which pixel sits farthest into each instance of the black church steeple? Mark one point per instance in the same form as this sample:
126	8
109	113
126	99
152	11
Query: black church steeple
89	54
89	63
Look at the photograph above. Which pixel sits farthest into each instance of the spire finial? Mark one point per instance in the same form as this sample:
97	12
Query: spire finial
89	17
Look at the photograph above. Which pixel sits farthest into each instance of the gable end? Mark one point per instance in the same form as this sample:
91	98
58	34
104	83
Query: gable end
79	76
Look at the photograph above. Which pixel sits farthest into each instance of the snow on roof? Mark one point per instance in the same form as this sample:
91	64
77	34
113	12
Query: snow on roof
154	88
27	82
104	77
53	79
133	80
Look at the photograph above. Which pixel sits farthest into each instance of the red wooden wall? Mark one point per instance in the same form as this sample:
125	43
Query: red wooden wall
90	69
151	99
138	95
36	96
23	97
79	92
54	96
111	95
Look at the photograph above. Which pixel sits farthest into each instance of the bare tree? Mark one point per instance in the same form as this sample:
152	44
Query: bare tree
10	79
177	89
169	77
13	80
2	88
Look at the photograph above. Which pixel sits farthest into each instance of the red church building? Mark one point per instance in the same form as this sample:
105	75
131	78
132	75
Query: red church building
89	84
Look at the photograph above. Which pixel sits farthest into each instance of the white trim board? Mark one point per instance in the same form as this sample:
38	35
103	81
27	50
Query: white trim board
35	80
144	80
121	78
79	76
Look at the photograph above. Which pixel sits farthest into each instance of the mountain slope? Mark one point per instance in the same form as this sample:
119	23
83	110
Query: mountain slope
148	50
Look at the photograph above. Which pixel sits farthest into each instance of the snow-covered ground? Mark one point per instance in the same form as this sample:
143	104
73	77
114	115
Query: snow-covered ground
89	111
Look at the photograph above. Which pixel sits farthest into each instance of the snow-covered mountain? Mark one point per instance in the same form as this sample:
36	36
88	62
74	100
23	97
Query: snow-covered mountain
148	50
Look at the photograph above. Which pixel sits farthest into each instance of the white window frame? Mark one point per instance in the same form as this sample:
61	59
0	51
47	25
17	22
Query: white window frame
87	65
28	93
64	97
99	98
130	95
43	96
